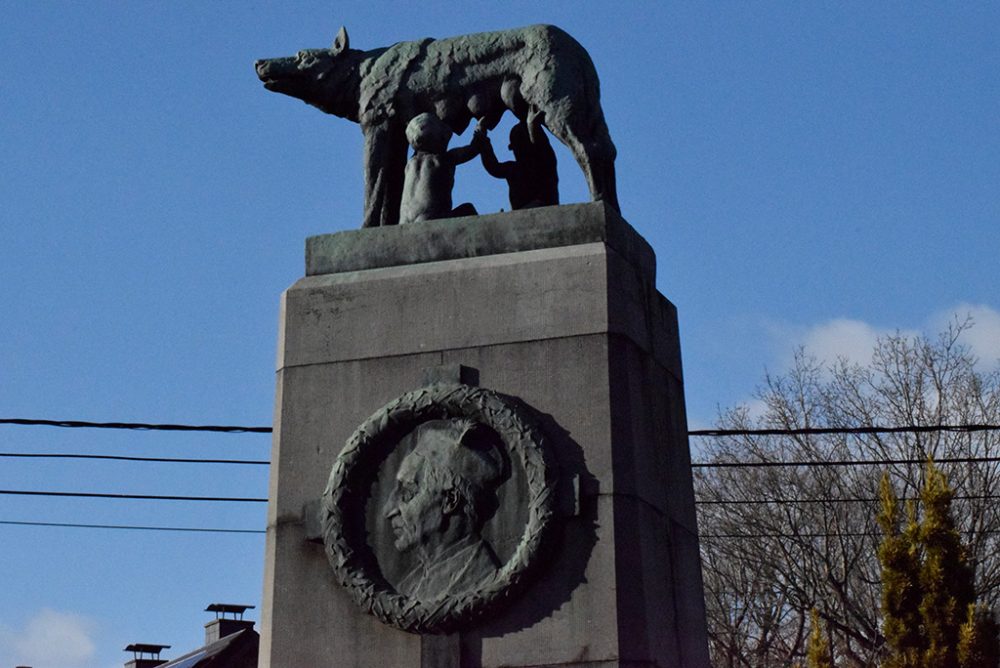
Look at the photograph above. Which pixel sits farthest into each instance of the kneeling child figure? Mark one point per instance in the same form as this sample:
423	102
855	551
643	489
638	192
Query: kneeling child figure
531	176
430	173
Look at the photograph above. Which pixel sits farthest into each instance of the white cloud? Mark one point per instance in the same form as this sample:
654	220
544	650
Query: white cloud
51	639
842	338
756	408
855	339
983	338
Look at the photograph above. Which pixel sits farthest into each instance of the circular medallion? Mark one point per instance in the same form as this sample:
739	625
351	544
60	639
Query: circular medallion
440	507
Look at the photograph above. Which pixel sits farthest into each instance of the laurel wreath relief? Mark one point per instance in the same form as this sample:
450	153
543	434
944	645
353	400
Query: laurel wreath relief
348	490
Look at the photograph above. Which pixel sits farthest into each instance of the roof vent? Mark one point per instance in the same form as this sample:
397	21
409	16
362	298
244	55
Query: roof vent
139	658
224	625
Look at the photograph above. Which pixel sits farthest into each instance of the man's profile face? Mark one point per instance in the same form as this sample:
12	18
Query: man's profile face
415	509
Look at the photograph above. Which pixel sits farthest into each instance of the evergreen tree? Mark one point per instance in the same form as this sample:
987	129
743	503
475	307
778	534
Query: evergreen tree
977	639
901	593
930	619
818	652
946	580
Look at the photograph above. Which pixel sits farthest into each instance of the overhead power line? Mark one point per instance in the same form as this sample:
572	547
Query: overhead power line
140	426
125	458
838	534
152	497
842	462
817	431
236	429
821	534
128	526
762	464
740	502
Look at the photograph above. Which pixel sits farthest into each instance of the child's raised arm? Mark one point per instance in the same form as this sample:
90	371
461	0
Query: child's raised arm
493	167
461	154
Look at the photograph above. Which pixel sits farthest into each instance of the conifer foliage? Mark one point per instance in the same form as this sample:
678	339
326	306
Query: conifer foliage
977	641
818	651
930	616
900	577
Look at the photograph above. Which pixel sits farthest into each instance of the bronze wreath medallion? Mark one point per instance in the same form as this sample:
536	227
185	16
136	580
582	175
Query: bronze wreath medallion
479	461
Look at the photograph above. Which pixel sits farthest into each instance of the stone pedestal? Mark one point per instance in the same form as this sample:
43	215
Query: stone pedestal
557	307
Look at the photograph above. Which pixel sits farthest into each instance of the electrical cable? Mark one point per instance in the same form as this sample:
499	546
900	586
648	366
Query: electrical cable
816	431
739	502
234	429
140	426
148	497
128	526
843	462
125	458
841	534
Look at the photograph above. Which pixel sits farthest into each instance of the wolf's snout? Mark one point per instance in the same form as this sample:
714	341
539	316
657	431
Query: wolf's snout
276	68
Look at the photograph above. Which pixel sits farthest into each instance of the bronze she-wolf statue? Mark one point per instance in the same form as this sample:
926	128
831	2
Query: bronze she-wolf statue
472	76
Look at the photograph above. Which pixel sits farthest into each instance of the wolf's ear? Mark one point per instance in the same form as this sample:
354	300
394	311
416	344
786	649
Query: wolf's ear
341	42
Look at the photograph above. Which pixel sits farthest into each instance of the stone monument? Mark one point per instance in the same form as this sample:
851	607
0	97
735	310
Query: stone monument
480	455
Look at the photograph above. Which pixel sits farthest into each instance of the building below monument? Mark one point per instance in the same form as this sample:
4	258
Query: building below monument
544	328
230	642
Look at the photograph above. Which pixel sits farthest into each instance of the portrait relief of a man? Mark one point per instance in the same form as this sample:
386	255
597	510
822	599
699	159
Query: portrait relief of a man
445	490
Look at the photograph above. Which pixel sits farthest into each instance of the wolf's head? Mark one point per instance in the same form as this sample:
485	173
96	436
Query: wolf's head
324	78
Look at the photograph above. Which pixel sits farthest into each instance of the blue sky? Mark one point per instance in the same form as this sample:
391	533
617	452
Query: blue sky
808	173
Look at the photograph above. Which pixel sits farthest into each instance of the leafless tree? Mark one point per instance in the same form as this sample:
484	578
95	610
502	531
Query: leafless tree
778	541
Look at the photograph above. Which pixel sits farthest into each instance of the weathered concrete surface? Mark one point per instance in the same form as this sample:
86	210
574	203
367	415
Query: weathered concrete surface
491	234
578	332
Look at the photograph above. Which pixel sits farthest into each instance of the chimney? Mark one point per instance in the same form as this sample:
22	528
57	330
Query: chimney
140	661
222	626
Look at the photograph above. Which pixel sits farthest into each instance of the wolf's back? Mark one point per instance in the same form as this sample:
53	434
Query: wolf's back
535	55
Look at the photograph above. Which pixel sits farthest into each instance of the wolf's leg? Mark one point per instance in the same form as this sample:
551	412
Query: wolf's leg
394	172
376	146
601	152
594	152
385	163
611	185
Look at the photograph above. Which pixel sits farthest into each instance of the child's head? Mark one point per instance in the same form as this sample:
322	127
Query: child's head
520	141
427	132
